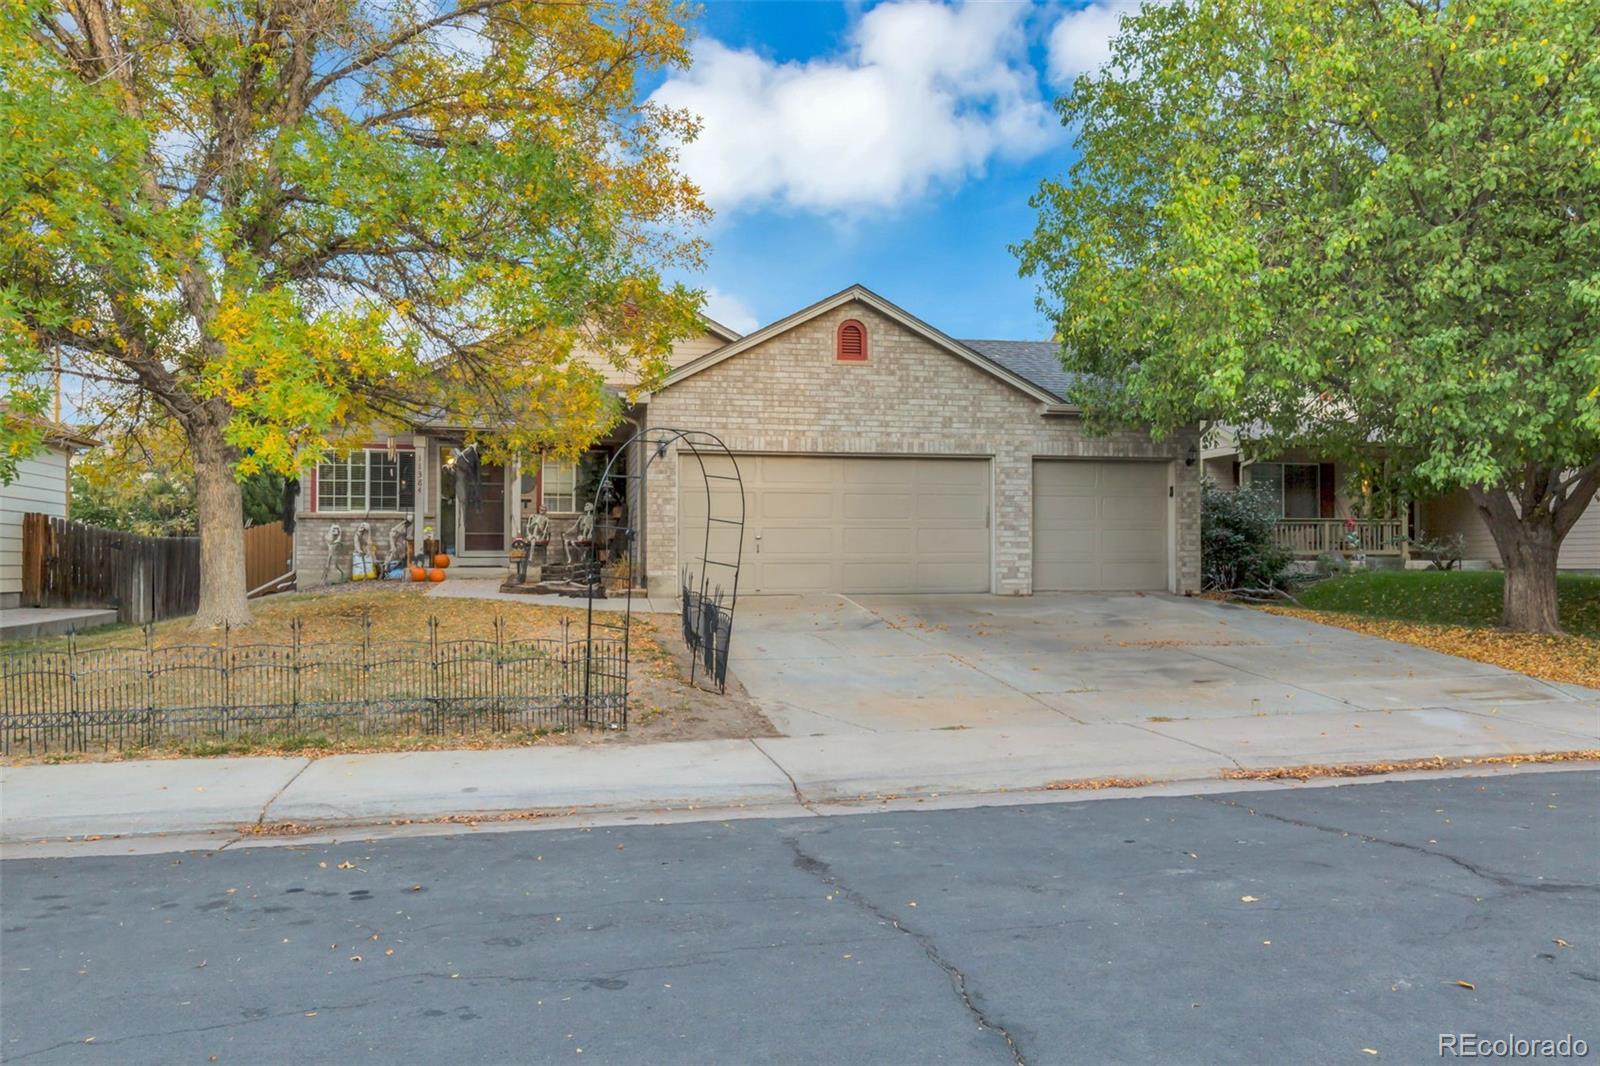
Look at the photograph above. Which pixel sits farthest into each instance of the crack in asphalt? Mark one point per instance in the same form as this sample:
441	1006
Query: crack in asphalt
1502	880
810	864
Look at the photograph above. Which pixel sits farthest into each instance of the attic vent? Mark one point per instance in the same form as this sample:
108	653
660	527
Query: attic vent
852	342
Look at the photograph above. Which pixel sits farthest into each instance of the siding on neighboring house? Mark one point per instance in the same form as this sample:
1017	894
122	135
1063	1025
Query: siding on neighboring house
1456	513
790	395
41	487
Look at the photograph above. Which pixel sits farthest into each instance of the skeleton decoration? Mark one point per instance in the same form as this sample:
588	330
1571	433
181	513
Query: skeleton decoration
361	554
330	563
582	534
537	527
399	539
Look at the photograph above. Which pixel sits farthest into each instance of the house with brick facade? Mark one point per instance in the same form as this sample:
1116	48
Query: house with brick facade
877	455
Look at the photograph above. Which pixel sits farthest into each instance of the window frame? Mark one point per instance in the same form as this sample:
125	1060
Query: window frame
349	464
571	466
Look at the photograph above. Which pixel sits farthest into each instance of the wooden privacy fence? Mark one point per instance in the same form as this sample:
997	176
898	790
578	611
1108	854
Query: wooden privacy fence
69	564
268	554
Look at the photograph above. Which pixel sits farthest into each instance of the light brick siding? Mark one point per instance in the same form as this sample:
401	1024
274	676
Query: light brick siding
789	395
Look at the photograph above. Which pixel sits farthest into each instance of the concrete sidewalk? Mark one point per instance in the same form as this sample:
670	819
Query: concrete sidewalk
775	775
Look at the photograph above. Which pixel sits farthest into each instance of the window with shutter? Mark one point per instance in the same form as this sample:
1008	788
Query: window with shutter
852	342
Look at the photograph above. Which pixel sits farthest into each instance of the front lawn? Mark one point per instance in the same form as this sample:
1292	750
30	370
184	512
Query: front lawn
1457	613
1457	597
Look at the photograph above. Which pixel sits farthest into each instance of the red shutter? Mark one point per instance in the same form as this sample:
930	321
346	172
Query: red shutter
1329	485
852	342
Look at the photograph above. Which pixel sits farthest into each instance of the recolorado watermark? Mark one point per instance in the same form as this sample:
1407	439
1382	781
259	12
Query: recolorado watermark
1511	1046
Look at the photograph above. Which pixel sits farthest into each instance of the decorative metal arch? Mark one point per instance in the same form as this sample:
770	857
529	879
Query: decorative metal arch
708	587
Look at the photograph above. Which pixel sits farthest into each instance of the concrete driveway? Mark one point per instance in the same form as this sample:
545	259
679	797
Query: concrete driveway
837	664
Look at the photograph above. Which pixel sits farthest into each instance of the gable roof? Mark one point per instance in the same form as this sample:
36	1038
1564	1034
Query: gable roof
718	329
959	349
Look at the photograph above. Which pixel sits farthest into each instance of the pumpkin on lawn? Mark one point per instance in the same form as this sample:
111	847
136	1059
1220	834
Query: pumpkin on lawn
441	561
436	574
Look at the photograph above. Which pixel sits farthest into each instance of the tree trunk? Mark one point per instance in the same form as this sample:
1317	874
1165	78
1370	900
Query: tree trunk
1529	544
220	508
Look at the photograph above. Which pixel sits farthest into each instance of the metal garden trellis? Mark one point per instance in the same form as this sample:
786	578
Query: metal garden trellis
706	609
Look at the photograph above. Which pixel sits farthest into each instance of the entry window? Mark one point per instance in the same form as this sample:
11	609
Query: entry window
1297	487
560	486
368	480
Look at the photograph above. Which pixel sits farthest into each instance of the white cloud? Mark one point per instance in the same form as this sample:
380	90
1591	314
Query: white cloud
1081	42
730	310
925	93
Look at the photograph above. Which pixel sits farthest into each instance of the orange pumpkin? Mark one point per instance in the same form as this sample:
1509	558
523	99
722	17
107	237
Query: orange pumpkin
436	574
419	573
441	561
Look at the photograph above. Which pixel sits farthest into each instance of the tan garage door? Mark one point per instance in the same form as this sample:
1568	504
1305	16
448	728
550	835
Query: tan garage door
844	524
1099	525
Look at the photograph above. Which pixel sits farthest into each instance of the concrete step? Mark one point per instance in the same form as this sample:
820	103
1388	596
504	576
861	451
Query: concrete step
22	623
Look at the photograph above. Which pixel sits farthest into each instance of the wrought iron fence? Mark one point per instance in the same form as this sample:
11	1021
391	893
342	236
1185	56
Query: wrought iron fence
71	698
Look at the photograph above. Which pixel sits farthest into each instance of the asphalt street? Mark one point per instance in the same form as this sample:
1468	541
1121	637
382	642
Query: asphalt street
1301	925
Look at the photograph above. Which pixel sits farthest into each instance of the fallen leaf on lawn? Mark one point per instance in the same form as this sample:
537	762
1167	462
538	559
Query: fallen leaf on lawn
1467	985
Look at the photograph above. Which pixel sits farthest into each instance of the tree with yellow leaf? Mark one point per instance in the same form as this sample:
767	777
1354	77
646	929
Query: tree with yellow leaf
267	222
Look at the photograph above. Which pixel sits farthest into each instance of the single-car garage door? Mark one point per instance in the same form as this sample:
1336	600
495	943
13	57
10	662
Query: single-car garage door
845	524
1099	525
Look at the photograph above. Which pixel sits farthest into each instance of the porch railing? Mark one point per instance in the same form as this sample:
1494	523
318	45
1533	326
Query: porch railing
1319	536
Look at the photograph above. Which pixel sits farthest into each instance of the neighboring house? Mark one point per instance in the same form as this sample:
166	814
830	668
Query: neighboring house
1317	507
878	455
43	485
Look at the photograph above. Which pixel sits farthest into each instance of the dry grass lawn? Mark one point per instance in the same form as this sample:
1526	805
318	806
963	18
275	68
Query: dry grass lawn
663	706
1571	659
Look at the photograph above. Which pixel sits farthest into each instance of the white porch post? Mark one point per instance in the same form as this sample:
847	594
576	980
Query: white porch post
515	507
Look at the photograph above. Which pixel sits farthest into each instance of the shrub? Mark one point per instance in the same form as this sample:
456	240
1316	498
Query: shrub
1443	553
1238	547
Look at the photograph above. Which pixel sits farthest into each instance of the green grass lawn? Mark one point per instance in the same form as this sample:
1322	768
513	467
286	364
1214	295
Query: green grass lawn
1462	598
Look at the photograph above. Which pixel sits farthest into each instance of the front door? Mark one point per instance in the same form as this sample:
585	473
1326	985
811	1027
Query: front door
483	528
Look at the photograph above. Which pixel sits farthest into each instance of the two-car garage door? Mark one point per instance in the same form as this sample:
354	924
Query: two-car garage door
845	523
859	524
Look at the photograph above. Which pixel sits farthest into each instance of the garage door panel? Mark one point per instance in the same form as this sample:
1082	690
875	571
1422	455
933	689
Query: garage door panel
1133	511
855	524
1099	524
791	470
796	540
881	507
945	506
794	577
1069	479
792	503
968	544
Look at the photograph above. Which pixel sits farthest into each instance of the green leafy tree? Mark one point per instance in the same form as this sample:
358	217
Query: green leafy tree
271	222
1357	227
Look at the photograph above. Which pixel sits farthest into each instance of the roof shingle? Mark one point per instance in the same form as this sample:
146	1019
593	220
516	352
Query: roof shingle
1037	361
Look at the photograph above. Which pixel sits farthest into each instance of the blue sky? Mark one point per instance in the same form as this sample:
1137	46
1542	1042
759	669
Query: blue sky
893	144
